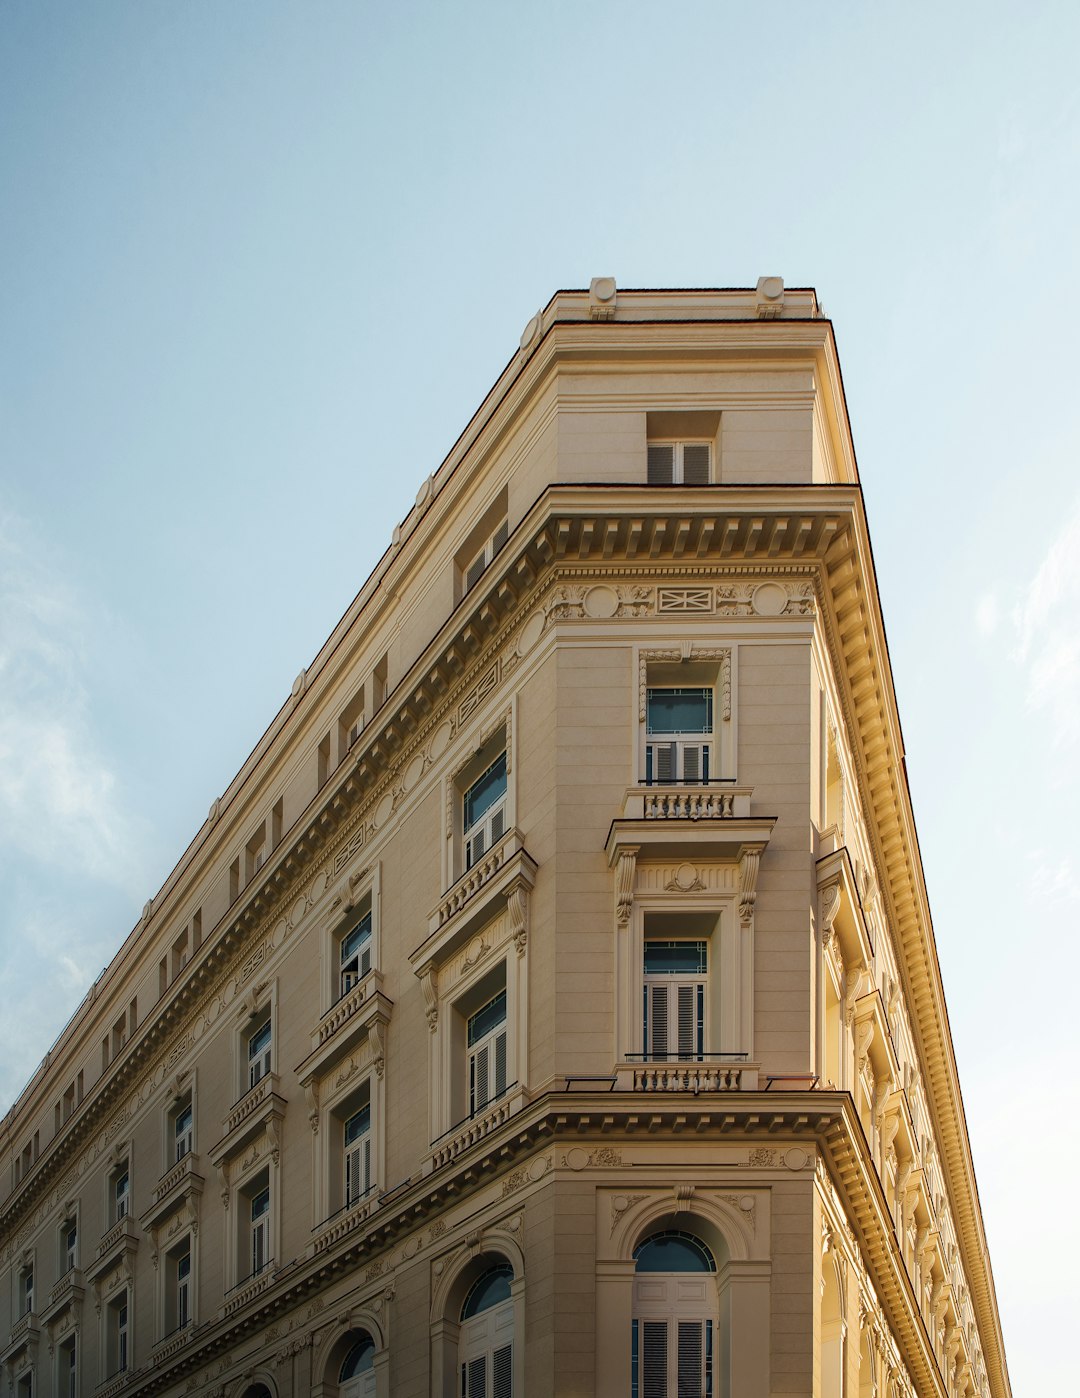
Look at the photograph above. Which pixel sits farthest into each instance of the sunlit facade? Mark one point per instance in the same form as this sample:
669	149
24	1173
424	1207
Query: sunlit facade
550	1005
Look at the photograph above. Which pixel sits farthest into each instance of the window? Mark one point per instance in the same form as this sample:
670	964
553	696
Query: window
485	1345
674	1317
26	1290
259	1045
679	463
259	1230
69	1244
676	999
484	556
121	1192
183	1287
679	725
67	1374
354	954
183	1132
118	1335
485	1040
358	1155
357	1377
25	1386
484	811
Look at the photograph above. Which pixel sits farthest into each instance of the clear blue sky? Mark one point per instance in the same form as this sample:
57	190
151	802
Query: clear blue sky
258	264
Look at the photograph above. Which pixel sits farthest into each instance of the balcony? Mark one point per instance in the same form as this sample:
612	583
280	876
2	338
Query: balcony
721	1072
346	1220
362	1011
684	820
248	1289
258	1111
25	1334
179	1187
70	1282
115	1383
475	1129
170	1344
120	1240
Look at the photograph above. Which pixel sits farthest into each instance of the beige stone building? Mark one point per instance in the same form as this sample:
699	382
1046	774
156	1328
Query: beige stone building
550	1005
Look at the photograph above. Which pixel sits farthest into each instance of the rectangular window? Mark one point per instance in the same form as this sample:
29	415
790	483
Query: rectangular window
69	1244
183	1131
676	997
183	1288
66	1369
679	463
26	1291
121	1193
259	1233
354	954
679	725
486	1049
259	1046
484	811
358	1155
118	1335
485	555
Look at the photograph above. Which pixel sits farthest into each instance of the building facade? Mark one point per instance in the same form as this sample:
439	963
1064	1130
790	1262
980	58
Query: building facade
550	1005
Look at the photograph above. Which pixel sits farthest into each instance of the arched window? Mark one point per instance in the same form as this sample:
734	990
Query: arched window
485	1346
357	1377
674	1317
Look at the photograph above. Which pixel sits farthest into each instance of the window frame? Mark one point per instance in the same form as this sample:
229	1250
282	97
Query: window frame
484	747
678	460
361	895
690	667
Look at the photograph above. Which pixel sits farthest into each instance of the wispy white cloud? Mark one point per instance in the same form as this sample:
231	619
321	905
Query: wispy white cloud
1048	638
58	794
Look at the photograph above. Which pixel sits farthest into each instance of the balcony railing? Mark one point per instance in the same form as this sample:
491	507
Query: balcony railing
481	873
249	1288
187	1164
251	1101
67	1283
344	1008
475	1128
173	1341
717	1072
348	1217
122	1228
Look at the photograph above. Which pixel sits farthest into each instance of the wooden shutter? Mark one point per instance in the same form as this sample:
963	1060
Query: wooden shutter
688	1020
656	1027
690	1357
500	1064
497	822
475	572
358	1169
474	1378
654	1359
499	538
695	462
661	464
502	1371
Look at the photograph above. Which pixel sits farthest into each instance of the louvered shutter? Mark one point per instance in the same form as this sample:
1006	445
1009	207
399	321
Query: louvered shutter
695	462
654	1350
688	1020
478	1078
500	1064
502	1369
358	1170
475	572
656	1027
497	826
691	763
473	1378
689	1359
664	758
661	464
475	849
500	537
